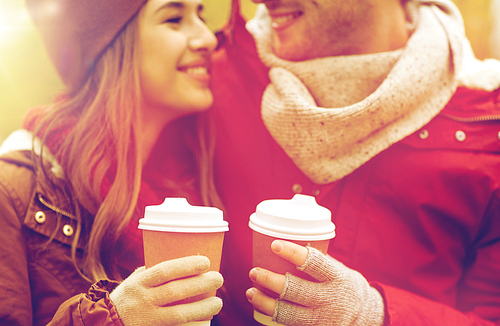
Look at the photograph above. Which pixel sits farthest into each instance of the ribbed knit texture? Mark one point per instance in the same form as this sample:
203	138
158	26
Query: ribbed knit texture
151	296
342	297
333	114
76	32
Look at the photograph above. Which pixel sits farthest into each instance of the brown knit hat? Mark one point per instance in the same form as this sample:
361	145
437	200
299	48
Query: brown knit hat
76	32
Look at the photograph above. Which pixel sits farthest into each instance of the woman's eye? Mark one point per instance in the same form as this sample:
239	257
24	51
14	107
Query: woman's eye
174	20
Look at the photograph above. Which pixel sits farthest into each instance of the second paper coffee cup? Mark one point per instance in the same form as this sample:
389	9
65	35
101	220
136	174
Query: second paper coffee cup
177	229
300	220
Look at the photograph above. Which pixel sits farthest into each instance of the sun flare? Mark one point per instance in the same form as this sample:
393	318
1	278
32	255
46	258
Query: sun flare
14	24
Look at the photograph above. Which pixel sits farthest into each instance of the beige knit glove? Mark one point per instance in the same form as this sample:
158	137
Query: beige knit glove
341	297
142	298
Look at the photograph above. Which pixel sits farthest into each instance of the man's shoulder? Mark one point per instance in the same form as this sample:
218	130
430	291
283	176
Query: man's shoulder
473	104
469	122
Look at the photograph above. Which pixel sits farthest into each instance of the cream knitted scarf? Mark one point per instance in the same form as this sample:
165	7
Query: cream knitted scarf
333	114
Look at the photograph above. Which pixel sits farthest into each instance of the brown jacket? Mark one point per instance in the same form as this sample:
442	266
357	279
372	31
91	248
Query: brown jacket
37	276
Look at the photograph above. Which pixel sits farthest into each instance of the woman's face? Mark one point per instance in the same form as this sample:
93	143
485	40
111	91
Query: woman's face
174	50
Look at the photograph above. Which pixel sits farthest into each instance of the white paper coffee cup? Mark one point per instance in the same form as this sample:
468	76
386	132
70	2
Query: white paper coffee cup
177	229
300	220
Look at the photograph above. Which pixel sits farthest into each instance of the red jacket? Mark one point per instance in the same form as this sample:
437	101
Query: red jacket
421	220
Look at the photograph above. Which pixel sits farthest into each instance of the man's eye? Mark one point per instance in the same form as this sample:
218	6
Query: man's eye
174	20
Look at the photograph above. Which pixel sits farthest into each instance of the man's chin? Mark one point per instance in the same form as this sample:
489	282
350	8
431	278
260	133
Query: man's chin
289	53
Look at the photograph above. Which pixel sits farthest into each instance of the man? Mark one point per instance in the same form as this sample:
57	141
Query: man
379	109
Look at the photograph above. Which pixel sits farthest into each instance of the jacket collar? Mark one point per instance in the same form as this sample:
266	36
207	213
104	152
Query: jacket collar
23	140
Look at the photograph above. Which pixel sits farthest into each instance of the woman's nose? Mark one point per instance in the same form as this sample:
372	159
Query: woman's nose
203	38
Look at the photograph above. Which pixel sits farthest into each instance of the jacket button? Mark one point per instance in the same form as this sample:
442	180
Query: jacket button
498	135
68	230
460	135
423	134
296	188
40	217
316	192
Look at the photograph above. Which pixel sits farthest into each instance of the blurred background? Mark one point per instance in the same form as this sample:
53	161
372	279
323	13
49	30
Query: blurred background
27	78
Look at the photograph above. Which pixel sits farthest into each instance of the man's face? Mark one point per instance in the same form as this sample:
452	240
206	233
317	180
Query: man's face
307	29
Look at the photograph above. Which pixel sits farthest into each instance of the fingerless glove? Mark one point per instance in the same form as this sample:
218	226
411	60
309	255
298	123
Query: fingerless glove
341	296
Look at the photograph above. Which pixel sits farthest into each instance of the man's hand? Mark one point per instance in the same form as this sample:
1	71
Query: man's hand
341	296
275	282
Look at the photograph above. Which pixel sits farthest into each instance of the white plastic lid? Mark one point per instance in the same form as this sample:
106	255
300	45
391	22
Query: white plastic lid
299	218
177	215
198	323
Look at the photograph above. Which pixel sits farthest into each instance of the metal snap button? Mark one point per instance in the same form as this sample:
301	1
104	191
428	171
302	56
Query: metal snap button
498	135
40	217
423	134
460	135
296	188
68	230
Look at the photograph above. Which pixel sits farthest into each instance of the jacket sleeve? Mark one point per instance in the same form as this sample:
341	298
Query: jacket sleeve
478	290
17	303
15	295
409	309
92	308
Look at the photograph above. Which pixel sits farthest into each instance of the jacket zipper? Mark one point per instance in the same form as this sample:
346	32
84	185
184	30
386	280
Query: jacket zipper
55	209
474	119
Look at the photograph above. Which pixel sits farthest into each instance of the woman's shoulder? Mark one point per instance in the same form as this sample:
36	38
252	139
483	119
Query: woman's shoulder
17	173
28	221
16	162
17	180
16	186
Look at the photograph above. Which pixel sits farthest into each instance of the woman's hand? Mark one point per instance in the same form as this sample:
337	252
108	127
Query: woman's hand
341	296
145	296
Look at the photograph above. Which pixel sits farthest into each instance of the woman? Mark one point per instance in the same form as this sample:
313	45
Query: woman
123	137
